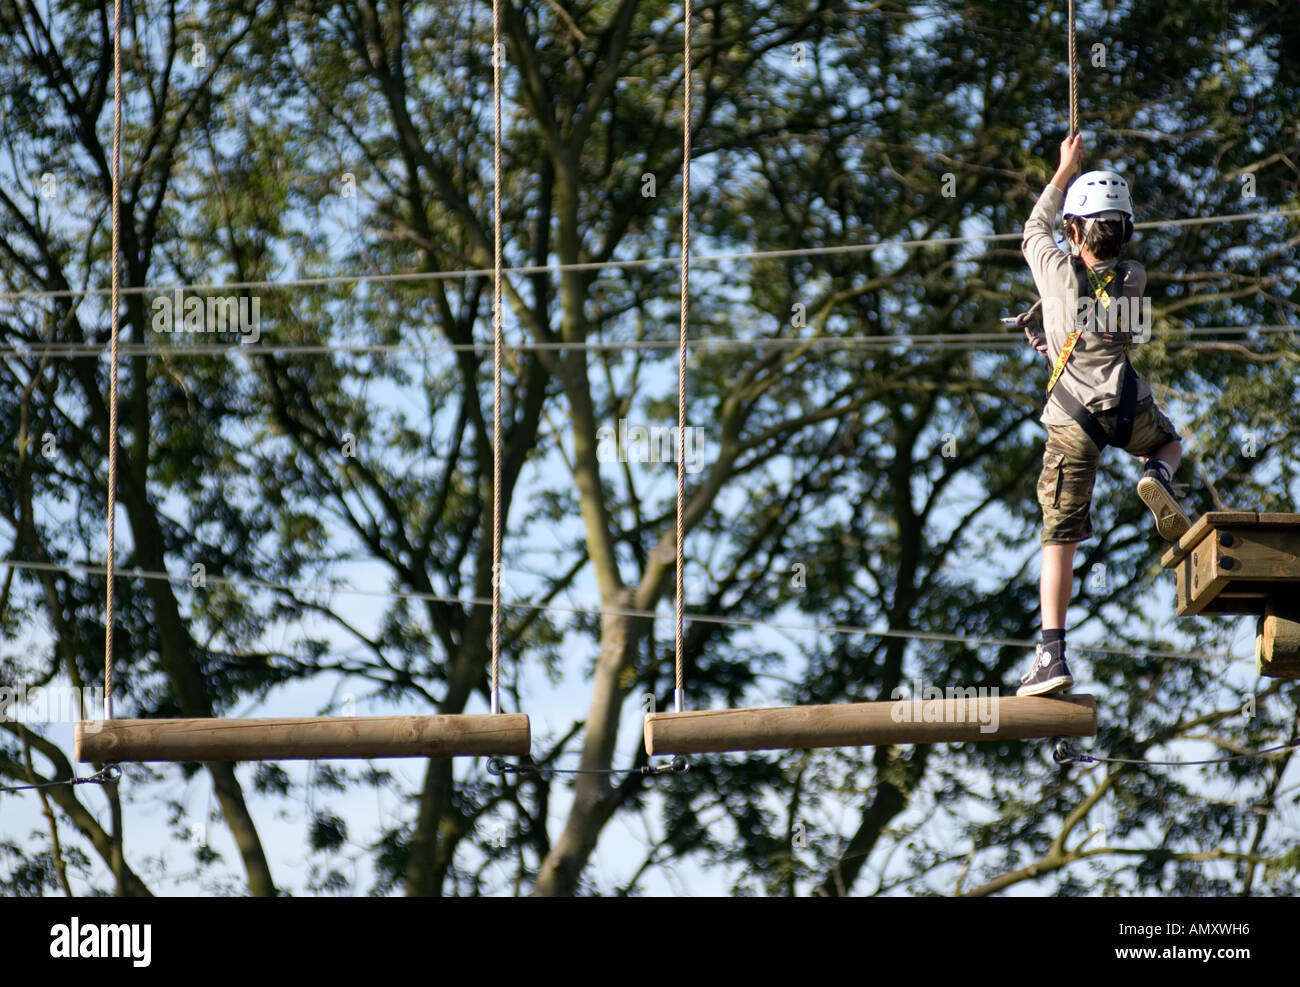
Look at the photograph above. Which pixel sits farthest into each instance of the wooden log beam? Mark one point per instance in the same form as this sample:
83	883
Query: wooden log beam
1277	642
901	721
302	738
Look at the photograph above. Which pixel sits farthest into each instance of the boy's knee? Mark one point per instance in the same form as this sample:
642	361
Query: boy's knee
1066	527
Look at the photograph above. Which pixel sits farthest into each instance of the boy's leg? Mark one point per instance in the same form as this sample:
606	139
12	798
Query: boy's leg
1154	437
1056	584
1171	454
1065	494
1050	673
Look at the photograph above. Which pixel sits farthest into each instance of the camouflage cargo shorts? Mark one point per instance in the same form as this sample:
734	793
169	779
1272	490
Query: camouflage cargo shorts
1070	468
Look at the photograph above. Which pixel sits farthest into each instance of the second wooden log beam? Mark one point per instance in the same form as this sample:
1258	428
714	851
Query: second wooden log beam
901	721
1277	642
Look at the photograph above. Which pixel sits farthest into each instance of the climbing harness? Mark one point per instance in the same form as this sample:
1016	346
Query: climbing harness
1084	418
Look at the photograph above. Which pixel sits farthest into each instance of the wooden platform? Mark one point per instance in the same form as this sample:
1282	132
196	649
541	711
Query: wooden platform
1245	562
1236	562
900	721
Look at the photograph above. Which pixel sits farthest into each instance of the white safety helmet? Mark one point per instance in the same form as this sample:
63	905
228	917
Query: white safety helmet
1097	193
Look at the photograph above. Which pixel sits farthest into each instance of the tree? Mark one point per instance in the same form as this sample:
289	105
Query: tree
879	472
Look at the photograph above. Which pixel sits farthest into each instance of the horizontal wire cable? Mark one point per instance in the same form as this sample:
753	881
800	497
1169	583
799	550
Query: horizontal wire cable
838	629
1065	754
955	341
108	773
644	262
498	765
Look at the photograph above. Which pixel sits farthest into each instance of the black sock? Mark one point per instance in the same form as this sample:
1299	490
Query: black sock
1161	467
1054	642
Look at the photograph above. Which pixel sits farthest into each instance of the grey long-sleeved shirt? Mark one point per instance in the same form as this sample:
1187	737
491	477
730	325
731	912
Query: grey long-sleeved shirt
1094	372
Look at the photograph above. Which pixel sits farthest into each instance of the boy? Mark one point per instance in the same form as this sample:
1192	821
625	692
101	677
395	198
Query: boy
1095	398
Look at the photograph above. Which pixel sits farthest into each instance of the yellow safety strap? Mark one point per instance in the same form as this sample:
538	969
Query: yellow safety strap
1064	357
1099	290
1099	286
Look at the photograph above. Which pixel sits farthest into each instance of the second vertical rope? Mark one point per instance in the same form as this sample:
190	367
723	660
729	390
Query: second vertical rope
498	56
114	303
679	693
1074	77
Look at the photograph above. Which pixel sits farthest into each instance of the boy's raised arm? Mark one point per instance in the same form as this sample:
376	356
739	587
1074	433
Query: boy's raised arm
1071	158
1037	244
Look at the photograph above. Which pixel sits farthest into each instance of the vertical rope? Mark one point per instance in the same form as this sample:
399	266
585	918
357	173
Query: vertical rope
1074	78
679	694
112	387
497	58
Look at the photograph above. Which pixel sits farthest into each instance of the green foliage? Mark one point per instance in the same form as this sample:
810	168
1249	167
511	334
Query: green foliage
326	833
818	125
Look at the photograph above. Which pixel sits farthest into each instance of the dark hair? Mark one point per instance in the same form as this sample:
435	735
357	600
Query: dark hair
1105	240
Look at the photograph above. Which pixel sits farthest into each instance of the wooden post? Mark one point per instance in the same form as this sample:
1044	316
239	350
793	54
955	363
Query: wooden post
901	721
1277	642
302	738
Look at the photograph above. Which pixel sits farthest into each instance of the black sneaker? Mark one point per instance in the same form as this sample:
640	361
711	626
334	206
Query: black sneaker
1049	674
1159	496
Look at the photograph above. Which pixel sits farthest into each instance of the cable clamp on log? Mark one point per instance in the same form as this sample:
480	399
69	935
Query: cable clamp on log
108	773
499	766
1065	754
677	766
